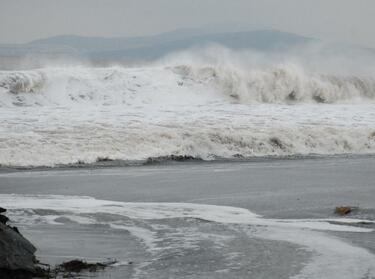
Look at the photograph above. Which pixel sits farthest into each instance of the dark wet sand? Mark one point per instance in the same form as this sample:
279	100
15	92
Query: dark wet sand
273	188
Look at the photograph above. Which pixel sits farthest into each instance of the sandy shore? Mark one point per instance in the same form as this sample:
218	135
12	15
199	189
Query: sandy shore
195	247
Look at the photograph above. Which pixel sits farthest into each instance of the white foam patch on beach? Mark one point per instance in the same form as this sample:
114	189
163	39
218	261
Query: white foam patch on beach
54	116
333	258
152	211
147	236
147	211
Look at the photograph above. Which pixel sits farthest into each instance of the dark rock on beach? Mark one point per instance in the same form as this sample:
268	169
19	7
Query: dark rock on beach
17	258
3	219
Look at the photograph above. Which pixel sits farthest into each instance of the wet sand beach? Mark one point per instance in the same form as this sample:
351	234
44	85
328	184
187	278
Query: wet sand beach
262	219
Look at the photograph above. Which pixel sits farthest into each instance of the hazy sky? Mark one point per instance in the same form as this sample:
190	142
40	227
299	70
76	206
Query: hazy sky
345	20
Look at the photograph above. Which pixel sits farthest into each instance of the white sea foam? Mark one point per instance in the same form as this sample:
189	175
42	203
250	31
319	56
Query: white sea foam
220	214
179	84
66	115
50	136
354	262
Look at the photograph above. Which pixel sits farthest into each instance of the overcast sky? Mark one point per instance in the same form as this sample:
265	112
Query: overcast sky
344	20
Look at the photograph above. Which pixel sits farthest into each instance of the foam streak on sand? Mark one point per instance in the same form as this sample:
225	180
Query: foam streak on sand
333	258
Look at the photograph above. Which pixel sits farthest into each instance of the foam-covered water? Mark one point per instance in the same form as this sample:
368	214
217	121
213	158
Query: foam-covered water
65	115
170	230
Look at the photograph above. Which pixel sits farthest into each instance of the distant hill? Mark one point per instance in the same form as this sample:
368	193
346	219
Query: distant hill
156	46
152	47
135	49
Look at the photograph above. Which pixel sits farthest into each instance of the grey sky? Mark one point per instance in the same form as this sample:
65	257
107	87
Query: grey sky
345	20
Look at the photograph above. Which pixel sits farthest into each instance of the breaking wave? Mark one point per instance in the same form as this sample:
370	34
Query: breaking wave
68	115
281	84
284	84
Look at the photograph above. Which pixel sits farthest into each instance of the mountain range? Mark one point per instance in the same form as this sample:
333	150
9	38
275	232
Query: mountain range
148	48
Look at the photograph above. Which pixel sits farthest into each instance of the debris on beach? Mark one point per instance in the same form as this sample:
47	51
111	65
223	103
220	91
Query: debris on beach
171	158
77	266
343	210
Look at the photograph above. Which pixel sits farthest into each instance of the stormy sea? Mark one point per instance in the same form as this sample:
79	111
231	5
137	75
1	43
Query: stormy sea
216	165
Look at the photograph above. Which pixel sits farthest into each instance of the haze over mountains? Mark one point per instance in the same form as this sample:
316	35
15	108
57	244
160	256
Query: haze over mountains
140	49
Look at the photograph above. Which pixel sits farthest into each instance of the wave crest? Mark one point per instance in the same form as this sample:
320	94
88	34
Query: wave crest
181	84
282	84
22	82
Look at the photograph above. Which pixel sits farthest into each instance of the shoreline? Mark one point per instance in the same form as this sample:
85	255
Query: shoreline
108	163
